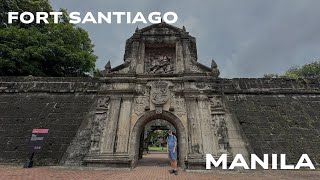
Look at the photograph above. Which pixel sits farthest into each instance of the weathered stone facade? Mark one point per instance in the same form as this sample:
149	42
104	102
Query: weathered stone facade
99	121
161	79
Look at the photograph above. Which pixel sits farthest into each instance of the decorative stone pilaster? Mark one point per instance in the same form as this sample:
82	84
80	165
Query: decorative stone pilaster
113	119
219	124
209	143
124	126
98	123
195	140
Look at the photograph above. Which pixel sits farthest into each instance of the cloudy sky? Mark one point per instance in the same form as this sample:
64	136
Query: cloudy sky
247	38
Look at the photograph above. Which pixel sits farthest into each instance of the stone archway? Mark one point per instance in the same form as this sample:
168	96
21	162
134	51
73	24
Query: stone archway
152	115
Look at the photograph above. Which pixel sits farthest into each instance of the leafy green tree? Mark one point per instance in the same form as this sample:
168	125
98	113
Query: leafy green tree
165	134
43	49
21	6
311	70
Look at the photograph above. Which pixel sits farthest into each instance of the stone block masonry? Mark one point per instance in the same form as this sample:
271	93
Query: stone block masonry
60	105
278	116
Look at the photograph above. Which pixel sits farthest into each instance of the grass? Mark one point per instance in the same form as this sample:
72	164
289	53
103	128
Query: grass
154	148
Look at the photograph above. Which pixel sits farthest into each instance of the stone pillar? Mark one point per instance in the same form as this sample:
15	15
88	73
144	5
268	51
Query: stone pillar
134	56
140	59
124	126
179	58
186	55
111	129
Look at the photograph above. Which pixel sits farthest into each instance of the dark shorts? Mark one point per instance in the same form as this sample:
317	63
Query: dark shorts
172	155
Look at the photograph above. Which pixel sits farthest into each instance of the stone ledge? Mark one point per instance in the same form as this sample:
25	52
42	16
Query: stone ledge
270	86
92	85
107	160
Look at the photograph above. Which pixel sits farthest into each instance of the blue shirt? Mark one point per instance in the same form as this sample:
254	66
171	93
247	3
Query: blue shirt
170	142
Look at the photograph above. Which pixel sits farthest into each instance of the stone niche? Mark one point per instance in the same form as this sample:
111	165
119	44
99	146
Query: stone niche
159	58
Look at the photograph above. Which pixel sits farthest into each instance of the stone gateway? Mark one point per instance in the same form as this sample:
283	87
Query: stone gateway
100	121
160	79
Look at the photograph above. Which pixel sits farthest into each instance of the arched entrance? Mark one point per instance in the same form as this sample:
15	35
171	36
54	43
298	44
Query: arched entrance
152	115
153	150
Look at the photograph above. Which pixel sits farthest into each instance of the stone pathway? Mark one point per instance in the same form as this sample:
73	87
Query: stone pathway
152	166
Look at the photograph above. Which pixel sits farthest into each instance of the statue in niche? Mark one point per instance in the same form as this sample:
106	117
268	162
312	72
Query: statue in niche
222	133
95	139
96	132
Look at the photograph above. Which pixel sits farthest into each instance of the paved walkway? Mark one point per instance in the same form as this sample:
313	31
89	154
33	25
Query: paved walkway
152	166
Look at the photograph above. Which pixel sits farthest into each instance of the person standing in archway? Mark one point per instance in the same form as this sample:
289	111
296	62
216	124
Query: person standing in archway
172	152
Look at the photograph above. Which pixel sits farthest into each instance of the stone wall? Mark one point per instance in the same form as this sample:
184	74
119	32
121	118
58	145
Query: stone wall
59	104
274	115
277	116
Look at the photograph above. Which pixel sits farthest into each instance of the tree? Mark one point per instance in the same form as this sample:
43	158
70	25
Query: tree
43	49
21	6
165	134
311	70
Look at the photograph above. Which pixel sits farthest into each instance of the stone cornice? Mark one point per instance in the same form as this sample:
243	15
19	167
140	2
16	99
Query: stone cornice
93	85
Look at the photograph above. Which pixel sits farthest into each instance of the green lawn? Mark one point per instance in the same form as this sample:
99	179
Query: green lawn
157	148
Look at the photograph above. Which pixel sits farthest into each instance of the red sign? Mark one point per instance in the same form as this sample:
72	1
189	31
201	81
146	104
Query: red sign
40	131
37	139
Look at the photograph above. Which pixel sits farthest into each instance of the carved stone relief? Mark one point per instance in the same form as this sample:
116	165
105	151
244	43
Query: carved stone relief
142	100
177	88
160	92
159	60
201	85
103	103
179	106
218	123
140	89
96	131
216	103
98	123
140	104
222	133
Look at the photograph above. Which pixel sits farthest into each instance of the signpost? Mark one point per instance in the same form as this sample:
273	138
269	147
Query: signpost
35	144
